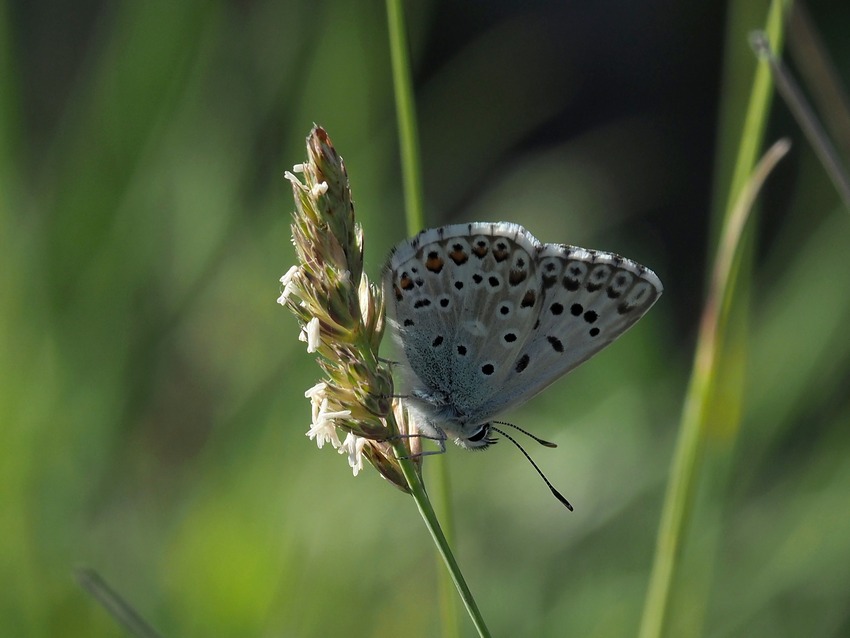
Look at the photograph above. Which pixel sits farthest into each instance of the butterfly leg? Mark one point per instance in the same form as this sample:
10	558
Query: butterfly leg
441	441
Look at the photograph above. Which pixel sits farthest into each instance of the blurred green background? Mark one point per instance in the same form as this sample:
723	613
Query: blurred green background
152	414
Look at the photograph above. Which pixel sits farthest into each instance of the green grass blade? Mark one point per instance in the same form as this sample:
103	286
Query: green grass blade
432	523
406	114
787	87
713	398
413	199
122	611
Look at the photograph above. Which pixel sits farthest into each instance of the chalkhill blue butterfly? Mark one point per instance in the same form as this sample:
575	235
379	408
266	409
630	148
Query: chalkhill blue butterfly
487	316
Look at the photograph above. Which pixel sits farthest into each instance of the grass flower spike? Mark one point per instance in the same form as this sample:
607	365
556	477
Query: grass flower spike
342	317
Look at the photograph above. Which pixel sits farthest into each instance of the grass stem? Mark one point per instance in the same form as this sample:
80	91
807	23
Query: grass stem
414	214
417	489
697	414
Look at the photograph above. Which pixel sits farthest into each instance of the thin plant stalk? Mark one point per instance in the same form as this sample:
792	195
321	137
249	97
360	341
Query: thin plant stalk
820	76
417	490
787	87
700	393
408	134
413	199
120	610
702	389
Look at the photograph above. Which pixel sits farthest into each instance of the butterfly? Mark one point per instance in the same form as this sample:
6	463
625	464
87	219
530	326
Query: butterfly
487	316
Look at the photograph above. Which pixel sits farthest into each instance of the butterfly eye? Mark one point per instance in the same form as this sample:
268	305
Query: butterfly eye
481	434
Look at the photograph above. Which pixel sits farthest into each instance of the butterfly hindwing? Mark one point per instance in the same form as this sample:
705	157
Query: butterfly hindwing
459	298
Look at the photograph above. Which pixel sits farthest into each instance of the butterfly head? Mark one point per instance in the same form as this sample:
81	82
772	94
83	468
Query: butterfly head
478	439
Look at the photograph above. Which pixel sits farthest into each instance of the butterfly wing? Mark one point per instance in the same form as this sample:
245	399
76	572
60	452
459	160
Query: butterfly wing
589	298
461	299
488	316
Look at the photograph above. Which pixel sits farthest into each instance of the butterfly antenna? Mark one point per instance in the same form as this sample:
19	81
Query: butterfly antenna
555	492
528	434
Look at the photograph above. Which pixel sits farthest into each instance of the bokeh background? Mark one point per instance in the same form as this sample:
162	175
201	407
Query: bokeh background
152	414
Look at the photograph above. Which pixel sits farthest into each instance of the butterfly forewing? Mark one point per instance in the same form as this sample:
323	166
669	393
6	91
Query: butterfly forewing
589	299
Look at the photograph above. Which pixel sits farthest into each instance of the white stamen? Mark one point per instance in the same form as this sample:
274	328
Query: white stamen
339	414
316	394
285	294
317	390
298	168
324	432
323	429
311	335
319	189
295	181
288	285
353	446
289	275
